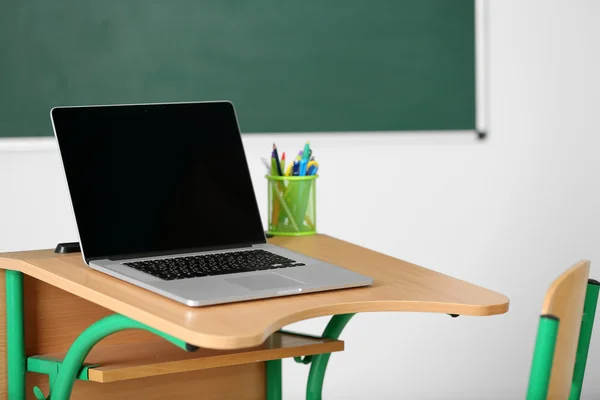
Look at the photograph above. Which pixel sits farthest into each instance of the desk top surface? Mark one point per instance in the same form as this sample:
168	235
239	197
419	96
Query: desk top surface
398	286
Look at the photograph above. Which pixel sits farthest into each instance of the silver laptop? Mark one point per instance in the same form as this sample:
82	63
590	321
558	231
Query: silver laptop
163	199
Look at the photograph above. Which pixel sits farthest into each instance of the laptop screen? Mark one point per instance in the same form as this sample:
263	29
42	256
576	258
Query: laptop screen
157	178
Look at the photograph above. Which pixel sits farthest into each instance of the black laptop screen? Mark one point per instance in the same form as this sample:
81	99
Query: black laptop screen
157	178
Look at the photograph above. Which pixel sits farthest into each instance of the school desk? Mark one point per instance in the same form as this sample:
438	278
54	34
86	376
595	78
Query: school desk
144	346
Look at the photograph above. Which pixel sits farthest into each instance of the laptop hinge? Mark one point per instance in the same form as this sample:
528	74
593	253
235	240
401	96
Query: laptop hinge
178	251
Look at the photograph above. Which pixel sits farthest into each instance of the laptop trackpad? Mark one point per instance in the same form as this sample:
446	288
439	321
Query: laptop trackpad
268	281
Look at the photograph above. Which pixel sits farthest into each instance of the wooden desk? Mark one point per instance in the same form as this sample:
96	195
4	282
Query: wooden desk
63	289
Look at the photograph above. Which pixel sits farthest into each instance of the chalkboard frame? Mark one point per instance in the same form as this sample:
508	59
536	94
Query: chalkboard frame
480	78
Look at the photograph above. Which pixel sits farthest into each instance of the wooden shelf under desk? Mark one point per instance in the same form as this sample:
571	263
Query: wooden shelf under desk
119	362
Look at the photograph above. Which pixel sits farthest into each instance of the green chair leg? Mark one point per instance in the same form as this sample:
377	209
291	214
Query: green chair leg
15	337
543	355
585	335
274	387
314	388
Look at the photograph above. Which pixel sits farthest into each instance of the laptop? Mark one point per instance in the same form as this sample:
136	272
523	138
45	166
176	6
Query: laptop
163	199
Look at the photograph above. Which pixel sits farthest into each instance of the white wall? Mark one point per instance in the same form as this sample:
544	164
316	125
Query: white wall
509	213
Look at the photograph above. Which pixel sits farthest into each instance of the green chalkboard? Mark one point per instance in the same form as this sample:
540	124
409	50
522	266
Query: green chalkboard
288	66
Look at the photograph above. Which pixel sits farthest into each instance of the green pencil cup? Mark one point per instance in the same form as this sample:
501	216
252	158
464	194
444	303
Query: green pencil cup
292	205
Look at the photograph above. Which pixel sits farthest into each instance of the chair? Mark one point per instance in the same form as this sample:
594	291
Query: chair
563	337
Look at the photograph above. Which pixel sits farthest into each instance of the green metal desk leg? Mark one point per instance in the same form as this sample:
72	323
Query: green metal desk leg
83	344
274	390
15	337
314	388
585	336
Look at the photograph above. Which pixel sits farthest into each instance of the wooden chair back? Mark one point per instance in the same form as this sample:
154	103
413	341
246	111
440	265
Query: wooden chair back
564	300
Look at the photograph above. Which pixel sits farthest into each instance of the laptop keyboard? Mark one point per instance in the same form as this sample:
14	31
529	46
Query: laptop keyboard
171	269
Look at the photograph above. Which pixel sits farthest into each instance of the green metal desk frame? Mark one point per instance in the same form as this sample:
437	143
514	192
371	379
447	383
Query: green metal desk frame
63	373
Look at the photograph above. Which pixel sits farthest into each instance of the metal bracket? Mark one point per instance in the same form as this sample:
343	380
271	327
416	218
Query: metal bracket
51	367
303	360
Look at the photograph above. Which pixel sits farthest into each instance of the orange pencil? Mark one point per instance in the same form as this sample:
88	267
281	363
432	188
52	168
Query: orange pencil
283	163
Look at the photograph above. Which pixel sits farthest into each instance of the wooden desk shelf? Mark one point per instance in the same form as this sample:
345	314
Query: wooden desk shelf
119	362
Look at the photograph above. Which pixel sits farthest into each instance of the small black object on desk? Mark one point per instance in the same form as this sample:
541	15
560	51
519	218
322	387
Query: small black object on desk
65	248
